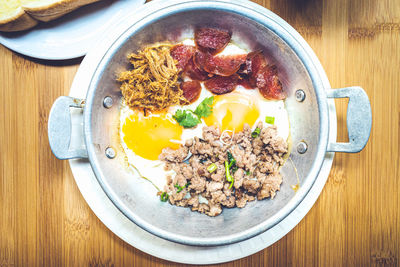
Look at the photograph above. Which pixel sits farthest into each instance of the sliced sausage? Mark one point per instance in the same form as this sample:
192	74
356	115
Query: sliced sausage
191	90
268	83
201	58
221	84
224	65
219	65
263	76
212	40
244	81
254	63
193	72
182	53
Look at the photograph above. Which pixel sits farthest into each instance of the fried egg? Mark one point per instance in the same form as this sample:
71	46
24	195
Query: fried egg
148	135
231	111
144	137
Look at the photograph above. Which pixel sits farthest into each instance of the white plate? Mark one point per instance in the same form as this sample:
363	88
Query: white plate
70	36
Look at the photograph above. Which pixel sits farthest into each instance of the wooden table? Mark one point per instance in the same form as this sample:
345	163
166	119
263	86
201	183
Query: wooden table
44	221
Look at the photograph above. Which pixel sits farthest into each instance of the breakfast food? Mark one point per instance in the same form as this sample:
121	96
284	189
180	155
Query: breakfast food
225	170
205	122
18	15
152	84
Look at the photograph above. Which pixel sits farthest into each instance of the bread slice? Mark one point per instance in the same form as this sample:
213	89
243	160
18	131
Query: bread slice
15	20
18	15
46	10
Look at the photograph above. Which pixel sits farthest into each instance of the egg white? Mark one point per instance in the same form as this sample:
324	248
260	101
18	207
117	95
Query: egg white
270	108
154	169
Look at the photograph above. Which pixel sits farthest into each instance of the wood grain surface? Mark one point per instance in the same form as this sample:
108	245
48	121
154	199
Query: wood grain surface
44	220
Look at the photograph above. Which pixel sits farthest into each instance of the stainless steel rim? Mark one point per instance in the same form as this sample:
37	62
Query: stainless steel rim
158	9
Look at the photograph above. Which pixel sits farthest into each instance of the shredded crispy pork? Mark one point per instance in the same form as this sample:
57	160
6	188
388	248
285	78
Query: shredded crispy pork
153	83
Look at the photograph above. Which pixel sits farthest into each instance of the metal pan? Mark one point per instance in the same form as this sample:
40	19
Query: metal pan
307	104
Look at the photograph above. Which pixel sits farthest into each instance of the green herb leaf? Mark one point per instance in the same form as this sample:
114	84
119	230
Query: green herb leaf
228	175
164	197
180	188
230	157
248	172
269	120
204	109
212	168
231	184
256	132
231	160
234	168
186	118
231	164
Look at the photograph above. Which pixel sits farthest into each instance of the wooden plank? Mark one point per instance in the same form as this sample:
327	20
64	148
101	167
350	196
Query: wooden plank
7	157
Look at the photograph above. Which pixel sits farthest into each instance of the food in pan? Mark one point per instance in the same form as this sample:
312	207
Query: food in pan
205	122
225	170
18	15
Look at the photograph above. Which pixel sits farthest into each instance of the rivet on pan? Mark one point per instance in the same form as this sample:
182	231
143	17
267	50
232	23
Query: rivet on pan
110	153
300	95
108	102
302	148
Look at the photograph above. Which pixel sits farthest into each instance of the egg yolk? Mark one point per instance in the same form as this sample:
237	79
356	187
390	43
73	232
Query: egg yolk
232	111
148	136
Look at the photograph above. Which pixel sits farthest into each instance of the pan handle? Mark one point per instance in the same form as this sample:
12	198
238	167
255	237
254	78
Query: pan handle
59	128
359	119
